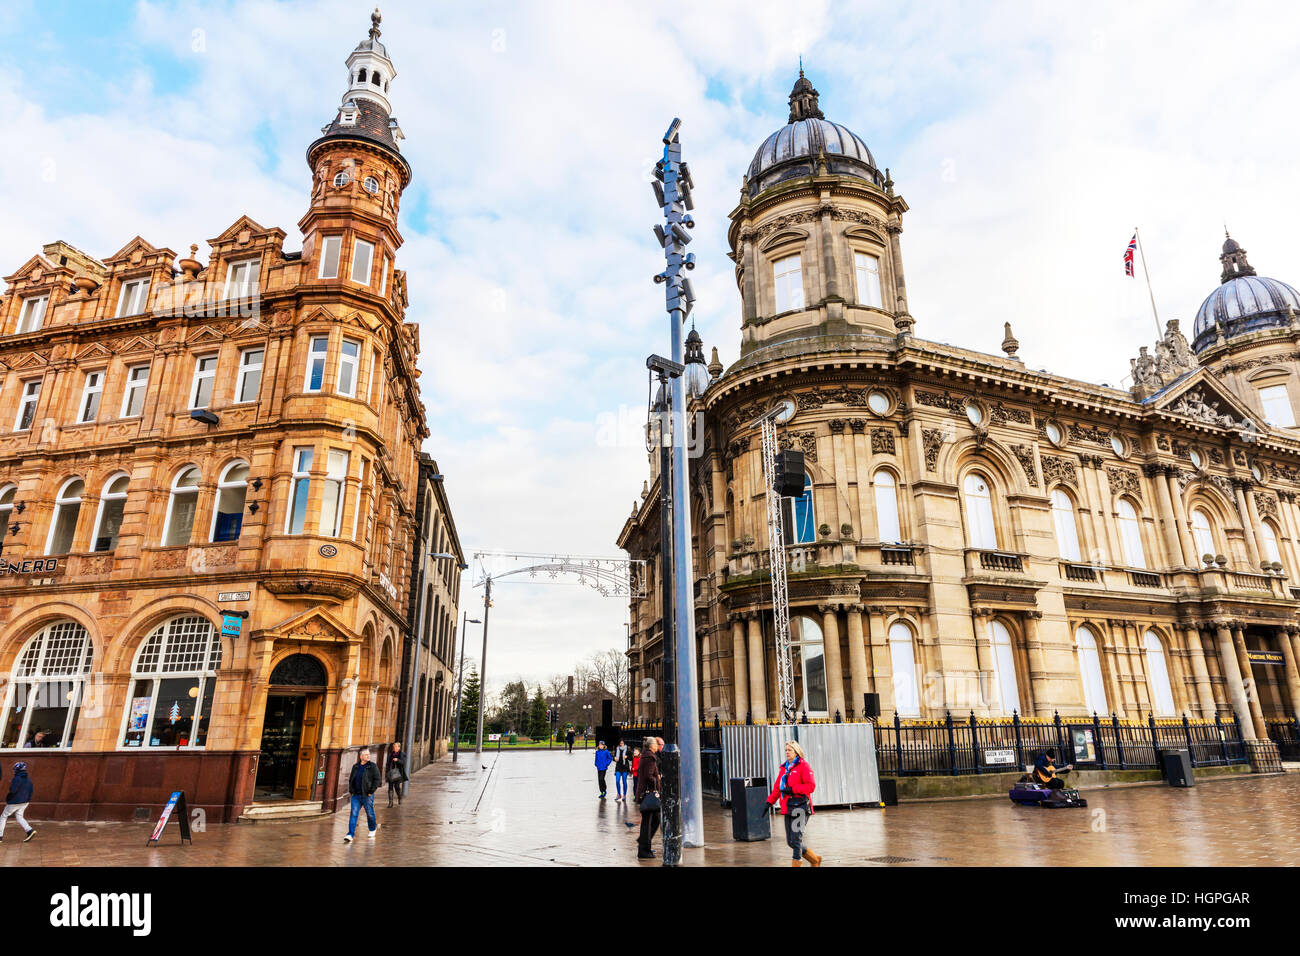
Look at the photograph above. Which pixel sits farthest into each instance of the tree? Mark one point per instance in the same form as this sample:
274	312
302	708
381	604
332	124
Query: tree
469	700
513	712
537	728
609	670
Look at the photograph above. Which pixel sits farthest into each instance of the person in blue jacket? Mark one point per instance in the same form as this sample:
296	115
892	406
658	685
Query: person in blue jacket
20	794
603	759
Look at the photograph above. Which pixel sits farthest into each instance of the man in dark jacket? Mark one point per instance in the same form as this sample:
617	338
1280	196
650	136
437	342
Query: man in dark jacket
647	781
20	794
568	739
362	784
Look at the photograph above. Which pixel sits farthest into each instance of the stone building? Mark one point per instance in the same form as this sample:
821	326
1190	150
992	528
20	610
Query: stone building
179	440
974	534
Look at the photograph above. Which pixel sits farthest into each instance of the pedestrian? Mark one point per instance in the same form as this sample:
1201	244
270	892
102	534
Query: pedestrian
395	773
362	784
647	790
20	794
568	739
603	759
793	787
636	765
622	766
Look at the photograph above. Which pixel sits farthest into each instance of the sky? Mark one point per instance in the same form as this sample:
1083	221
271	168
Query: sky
1028	140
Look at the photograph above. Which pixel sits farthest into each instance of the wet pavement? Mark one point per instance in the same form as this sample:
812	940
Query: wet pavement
542	809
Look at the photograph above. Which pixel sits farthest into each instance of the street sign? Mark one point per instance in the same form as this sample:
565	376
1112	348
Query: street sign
494	736
229	597
995	758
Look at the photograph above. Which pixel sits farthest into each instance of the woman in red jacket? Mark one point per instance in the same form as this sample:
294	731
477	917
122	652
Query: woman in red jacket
794	784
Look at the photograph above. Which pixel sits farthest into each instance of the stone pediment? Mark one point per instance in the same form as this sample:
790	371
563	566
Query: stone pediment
31	360
138	252
243	231
1201	397
135	344
313	626
35	269
204	333
93	351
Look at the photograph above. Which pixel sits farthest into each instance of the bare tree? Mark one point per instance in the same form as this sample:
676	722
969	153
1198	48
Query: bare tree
609	669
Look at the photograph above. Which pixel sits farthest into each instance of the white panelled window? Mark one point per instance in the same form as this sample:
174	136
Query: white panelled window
43	700
981	532
250	375
886	493
1272	552
27	405
91	393
112	504
788	273
329	257
33	313
331	503
1067	529
370	379
67	509
808	663
356	505
1130	535
7	511
1094	688
299	489
363	255
232	492
349	357
205	374
800	516
383	274
181	506
907	692
241	279
316	363
1162	694
172	684
132	298
1203	533
1277	406
868	273
1007	693
137	380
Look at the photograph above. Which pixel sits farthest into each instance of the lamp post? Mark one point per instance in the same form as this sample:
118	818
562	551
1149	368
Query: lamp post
482	670
408	738
460	683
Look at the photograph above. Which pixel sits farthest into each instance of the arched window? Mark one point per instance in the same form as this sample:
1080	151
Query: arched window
808	662
1271	551
1067	529
1004	668
173	680
887	523
1130	535
182	504
803	519
375	79
6	511
1162	695
981	532
67	508
361	75
1203	533
112	503
232	492
44	696
907	694
1094	688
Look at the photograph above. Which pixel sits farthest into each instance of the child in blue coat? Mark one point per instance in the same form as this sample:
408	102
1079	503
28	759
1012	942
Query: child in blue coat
603	759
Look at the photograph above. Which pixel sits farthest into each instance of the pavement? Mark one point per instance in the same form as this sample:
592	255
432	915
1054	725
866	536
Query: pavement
539	808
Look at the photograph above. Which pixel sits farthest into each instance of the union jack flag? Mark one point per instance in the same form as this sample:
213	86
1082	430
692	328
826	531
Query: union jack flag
1128	255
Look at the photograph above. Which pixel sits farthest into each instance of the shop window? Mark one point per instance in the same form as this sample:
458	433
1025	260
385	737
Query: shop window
44	697
172	685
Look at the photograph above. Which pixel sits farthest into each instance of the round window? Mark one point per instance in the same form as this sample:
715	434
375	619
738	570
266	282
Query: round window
878	402
1257	471
1196	458
342	179
371	184
1118	445
975	414
785	411
1054	433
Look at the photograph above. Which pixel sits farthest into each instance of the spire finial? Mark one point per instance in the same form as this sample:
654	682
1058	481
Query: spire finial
375	18
801	64
803	99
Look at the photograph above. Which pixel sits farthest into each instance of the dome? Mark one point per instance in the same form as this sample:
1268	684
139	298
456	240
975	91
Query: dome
696	378
1243	303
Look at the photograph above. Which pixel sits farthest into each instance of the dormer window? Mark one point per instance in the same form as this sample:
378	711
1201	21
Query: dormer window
33	313
348	118
241	279
132	299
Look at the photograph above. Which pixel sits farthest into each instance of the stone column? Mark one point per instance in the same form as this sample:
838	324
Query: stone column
983	657
1252	551
1284	638
1232	677
1200	673
828	253
1106	554
1109	654
1137	657
1180	516
1252	691
896	257
739	669
1038	690
1168	520
834	666
757	684
1288	549
706	672
882	675
1255	522
858	674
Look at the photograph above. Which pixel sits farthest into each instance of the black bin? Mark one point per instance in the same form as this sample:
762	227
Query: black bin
888	792
1177	767
749	814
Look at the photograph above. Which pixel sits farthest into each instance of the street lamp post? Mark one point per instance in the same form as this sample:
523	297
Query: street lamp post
408	738
482	670
460	684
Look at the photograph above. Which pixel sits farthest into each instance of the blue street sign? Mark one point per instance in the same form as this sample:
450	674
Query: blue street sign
230	624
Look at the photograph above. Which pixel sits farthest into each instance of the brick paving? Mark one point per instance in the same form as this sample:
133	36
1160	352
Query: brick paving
541	808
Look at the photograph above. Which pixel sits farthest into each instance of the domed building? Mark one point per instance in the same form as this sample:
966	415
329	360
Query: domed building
975	537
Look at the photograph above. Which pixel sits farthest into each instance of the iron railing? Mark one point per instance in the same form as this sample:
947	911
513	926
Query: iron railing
1285	732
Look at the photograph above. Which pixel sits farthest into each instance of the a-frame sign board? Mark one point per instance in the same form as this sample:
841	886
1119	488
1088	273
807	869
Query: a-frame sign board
175	803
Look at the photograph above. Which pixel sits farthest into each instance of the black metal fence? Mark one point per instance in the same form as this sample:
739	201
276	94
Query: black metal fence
974	745
1286	734
710	747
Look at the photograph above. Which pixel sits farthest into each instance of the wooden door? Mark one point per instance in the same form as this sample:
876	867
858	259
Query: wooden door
307	747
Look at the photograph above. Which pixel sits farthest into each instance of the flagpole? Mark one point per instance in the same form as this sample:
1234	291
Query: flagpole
1154	314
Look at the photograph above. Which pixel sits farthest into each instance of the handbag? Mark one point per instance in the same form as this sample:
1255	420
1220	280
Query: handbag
650	801
394	775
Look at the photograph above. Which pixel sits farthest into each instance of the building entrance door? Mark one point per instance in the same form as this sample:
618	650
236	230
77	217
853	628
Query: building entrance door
277	770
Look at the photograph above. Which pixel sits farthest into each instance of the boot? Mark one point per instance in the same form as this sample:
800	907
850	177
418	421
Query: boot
812	857
796	863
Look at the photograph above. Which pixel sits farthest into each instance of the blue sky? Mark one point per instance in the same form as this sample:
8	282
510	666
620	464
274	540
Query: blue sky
1027	138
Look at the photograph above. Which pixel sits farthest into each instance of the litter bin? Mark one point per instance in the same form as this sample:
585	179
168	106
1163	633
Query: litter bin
749	814
1177	767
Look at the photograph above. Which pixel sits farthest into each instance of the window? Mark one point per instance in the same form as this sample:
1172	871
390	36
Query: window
1130	535
980	529
370	379
371	184
137	379
1007	692
90	395
232	492
184	501
1277	406
1203	533
6	511
27	405
33	313
250	375
241	279
300	487
316	364
363	254
329	255
800	516
173	680
349	355
1094	688
868	271
907	696
1272	553
1067	529
808	662
383	274
205	374
789	284
112	503
356	505
886	507
331	504
67	508
342	179
44	696
132	299
1162	695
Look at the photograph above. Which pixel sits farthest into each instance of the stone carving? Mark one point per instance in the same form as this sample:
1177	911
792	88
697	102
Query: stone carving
171	560
1000	414
1193	405
1026	455
1266	505
781	222
947	400
859	425
1239	457
882	441
1162	442
836	426
1216	456
932	440
1092	433
1056	469
1123	481
805	441
1173	358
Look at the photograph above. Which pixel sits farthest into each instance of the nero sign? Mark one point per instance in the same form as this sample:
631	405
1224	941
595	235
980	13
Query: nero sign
77	909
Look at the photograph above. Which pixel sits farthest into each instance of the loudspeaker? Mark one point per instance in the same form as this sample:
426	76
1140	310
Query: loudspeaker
1178	768
889	791
870	705
789	476
606	712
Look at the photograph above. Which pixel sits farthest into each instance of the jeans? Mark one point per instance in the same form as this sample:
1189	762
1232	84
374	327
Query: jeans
600	775
16	811
620	782
368	801
796	826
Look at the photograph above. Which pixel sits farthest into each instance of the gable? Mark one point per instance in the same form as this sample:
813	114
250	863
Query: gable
1202	398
